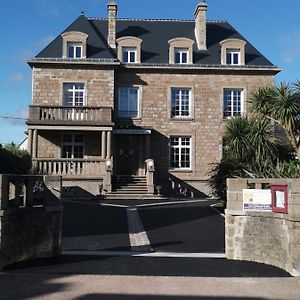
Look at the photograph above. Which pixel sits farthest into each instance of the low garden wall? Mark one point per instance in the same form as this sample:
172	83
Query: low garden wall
30	217
265	237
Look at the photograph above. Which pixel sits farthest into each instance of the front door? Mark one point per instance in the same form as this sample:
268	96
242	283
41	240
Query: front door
127	155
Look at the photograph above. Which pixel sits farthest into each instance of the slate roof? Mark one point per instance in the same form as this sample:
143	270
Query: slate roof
155	35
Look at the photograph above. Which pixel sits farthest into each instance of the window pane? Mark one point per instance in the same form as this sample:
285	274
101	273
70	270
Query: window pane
177	57
70	51
78	52
235	58
128	102
132	57
184	58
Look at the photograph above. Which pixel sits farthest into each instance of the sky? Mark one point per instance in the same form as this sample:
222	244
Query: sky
26	27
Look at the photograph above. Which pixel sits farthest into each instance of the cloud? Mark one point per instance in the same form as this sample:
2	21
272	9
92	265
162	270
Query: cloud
22	55
291	42
18	77
18	117
46	7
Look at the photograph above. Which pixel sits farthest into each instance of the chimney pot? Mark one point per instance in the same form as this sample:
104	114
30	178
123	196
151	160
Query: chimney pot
200	25
112	15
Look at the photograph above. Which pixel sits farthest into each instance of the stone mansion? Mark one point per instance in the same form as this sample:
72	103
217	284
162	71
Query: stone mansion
139	105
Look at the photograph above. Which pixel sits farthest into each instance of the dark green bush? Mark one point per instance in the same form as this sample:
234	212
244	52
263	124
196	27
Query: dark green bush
14	161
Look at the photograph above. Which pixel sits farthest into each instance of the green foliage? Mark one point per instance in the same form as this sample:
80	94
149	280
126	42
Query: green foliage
13	160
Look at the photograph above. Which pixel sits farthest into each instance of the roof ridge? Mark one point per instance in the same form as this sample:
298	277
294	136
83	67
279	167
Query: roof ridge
154	19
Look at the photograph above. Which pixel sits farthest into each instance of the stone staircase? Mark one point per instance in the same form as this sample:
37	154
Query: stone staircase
130	187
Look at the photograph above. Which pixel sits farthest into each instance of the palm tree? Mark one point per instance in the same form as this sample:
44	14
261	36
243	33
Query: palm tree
251	141
282	105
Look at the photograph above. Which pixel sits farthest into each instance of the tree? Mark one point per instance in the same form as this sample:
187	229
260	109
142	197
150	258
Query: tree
280	104
13	160
252	141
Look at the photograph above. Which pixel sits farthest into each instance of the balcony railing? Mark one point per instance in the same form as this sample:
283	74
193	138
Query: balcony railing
66	115
70	167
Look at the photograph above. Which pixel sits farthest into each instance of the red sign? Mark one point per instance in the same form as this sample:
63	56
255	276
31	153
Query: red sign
279	198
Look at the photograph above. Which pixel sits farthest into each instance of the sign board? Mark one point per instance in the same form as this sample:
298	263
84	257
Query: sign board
279	198
257	200
132	131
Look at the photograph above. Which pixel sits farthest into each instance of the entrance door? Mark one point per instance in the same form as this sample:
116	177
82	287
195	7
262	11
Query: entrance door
127	155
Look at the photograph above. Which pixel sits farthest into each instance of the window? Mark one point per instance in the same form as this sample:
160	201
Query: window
233	57
181	55
128	105
74	50
74	94
233	105
180	103
72	146
180	152
129	55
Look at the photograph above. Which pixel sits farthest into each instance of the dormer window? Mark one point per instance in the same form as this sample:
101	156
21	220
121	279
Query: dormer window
129	55
181	55
74	50
181	51
129	49
233	56
233	52
74	44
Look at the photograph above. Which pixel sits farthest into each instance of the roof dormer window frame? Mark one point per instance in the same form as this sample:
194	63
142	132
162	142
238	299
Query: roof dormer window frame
129	49
233	52
77	39
181	45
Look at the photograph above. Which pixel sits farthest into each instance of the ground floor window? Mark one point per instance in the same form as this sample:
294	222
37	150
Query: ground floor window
180	152
72	146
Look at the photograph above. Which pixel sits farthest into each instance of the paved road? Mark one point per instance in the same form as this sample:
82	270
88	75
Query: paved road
117	274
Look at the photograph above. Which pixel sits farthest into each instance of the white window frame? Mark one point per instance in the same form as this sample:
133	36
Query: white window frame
75	46
180	147
180	114
231	53
126	52
181	51
128	116
233	107
71	89
73	144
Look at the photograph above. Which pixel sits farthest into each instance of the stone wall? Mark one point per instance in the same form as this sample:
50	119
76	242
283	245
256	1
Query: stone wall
206	125
264	237
30	217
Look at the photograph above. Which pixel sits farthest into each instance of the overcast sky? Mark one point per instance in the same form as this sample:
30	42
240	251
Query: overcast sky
273	27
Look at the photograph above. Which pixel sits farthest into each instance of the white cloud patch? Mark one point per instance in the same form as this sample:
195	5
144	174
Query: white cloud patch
291	43
33	48
18	77
18	117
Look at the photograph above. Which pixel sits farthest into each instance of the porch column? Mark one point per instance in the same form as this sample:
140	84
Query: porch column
29	142
108	152
103	145
35	143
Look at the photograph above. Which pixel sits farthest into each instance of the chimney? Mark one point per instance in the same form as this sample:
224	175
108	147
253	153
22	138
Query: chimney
200	25
112	14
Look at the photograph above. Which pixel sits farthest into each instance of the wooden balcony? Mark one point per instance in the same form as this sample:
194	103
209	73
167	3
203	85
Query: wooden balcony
69	167
64	115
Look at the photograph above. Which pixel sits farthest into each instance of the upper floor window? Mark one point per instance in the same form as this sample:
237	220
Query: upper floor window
128	104
181	56
74	94
181	51
74	44
180	152
129	55
232	102
233	57
180	103
74	50
233	52
129	49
